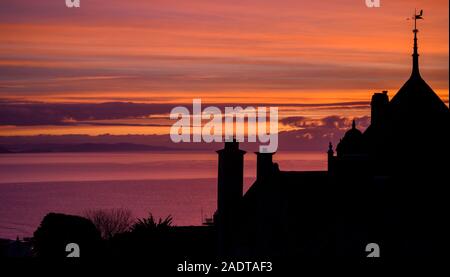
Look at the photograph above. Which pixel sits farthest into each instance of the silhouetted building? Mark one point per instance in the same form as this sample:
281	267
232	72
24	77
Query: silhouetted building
264	166
405	131
230	185
384	185
379	108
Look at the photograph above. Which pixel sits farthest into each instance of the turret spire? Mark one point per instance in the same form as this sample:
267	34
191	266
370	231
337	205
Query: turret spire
415	55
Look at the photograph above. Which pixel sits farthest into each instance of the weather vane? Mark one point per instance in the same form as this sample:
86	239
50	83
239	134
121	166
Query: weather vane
415	17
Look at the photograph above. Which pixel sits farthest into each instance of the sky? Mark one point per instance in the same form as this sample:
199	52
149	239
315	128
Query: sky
118	67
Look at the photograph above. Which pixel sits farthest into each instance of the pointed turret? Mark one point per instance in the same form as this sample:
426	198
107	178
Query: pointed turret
415	69
416	97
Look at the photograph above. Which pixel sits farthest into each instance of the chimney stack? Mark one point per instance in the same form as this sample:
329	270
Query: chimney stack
264	165
379	105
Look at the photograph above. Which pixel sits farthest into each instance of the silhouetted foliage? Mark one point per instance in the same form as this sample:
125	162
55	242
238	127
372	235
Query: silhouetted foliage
147	237
150	224
58	230
110	222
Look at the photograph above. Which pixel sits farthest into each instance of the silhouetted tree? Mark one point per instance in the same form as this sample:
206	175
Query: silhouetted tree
110	222
57	230
150	224
147	237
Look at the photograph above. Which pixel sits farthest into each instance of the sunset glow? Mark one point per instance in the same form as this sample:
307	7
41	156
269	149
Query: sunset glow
240	52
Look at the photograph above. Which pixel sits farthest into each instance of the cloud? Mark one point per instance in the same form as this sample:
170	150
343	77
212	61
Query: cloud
304	132
314	134
213	46
325	123
29	114
309	134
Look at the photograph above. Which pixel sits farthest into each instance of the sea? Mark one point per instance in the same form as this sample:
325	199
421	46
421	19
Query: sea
182	185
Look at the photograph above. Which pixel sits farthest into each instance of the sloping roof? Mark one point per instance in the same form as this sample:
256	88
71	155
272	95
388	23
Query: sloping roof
416	96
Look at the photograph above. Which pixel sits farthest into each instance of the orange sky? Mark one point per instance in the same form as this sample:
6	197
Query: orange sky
246	51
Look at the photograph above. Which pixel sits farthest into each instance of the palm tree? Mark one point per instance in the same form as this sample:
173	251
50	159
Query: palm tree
150	224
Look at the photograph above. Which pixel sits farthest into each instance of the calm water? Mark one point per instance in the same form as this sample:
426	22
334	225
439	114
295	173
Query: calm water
179	184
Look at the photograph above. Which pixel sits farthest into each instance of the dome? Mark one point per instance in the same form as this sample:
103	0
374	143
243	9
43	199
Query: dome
351	143
353	133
